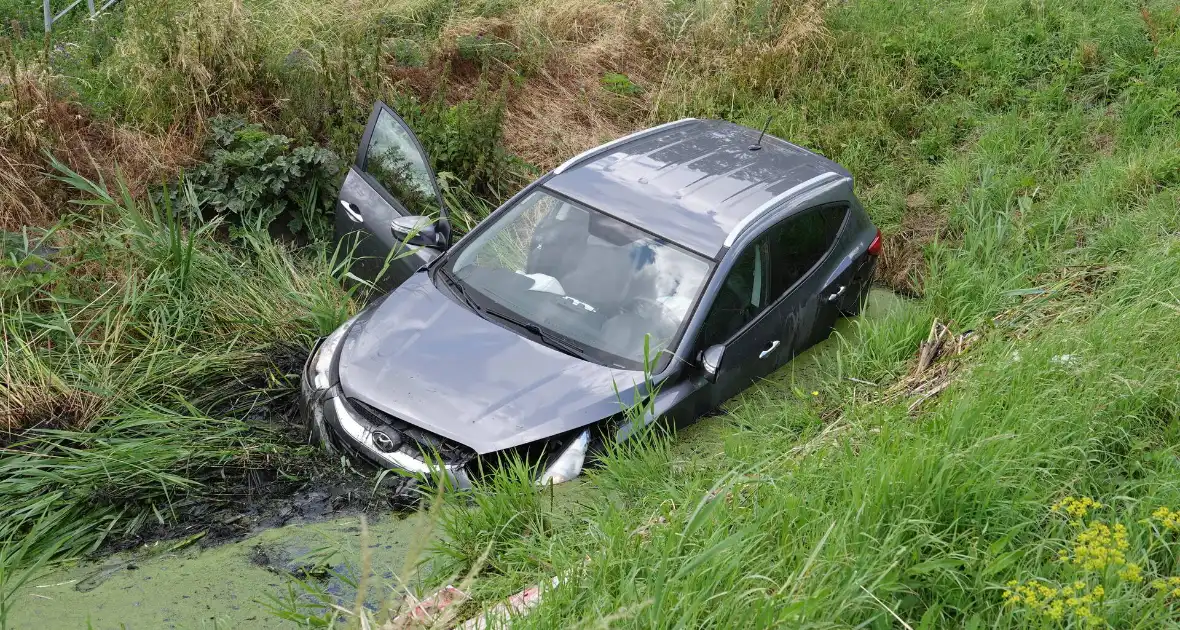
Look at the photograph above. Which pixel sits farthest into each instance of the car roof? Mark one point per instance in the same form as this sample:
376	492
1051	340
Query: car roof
691	182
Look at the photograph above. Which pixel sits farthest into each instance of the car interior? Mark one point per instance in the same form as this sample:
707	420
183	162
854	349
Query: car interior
600	265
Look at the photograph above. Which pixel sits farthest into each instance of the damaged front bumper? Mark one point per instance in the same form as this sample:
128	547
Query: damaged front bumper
340	425
335	424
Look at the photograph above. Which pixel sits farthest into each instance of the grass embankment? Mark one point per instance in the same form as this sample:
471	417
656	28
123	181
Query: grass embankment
149	376
1037	145
1023	160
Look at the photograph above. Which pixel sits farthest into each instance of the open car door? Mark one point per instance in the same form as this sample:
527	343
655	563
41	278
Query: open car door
390	213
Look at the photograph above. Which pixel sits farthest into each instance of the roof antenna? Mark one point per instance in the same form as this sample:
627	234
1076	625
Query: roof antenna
758	145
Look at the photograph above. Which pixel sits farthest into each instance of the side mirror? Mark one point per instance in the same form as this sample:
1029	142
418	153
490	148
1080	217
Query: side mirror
711	361
416	230
442	232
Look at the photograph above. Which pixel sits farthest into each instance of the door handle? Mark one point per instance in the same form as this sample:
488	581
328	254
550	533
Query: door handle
835	296
352	211
773	346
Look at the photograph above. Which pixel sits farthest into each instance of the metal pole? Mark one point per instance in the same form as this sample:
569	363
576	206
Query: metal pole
48	17
90	5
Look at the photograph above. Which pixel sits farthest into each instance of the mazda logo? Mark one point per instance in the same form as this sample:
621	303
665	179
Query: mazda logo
385	442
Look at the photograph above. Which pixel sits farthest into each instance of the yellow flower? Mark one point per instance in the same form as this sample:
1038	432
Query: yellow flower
1170	585
815	393
1097	547
1168	518
1076	507
1055	611
1068	603
1131	573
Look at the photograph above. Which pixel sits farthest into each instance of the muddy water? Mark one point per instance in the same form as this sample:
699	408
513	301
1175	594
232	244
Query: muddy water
219	587
227	586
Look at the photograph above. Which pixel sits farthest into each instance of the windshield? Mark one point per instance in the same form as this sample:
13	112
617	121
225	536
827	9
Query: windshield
590	278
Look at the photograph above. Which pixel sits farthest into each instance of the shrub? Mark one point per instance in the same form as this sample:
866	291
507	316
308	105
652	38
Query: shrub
621	84
465	139
406	52
256	177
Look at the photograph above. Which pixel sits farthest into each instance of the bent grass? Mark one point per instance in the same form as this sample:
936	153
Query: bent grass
131	359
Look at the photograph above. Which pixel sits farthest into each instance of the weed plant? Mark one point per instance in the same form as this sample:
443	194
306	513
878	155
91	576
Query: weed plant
147	367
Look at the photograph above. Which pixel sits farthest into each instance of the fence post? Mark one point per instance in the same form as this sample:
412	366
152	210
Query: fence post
90	5
48	16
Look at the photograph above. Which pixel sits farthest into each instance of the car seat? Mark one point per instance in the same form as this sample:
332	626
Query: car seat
559	242
623	333
602	277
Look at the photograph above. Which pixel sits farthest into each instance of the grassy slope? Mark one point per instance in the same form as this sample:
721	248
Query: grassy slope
146	373
1022	155
1044	137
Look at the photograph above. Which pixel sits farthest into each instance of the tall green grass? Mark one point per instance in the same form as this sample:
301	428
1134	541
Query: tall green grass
1030	149
148	367
1042	137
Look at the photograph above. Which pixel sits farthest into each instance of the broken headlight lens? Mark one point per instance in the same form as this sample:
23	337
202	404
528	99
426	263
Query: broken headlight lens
321	365
569	464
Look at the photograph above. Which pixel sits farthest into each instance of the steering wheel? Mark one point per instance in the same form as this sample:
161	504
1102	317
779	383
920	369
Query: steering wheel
649	308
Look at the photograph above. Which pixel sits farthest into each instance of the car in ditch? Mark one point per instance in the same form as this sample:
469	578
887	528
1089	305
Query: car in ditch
667	270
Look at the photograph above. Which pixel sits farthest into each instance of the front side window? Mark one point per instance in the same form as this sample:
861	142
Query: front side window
584	275
393	159
742	296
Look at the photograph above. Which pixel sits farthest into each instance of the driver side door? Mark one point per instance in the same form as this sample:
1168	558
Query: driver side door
390	178
748	319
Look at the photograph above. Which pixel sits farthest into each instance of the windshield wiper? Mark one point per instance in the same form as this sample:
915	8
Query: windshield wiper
457	287
551	340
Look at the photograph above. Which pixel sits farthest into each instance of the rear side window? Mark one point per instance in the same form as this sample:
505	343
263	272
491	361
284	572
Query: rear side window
800	241
768	268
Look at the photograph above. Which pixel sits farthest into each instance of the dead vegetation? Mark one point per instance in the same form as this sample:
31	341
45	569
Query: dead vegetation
35	121
584	73
1057	295
936	368
554	55
26	407
565	109
903	257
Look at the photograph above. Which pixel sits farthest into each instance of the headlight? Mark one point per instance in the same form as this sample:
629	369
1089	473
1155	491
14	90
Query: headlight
569	464
321	365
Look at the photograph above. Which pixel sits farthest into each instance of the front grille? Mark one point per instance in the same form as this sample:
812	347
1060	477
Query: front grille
418	442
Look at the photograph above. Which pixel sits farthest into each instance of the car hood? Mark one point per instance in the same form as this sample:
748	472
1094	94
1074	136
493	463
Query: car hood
423	358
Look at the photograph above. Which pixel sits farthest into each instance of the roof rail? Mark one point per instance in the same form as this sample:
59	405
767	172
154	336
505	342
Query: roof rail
775	201
613	143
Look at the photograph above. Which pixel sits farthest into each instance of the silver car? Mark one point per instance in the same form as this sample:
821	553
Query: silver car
670	268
